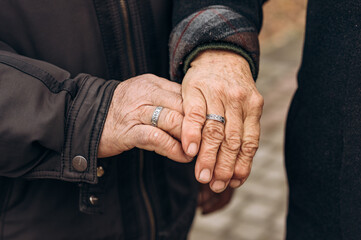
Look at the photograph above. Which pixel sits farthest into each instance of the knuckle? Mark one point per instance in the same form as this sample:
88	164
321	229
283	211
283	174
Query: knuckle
226	156
143	79
250	147
174	120
149	81
223	172
257	100
238	94
148	76
214	130
233	142
196	114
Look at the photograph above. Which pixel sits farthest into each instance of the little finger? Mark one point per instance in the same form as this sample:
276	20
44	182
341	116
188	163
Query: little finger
250	142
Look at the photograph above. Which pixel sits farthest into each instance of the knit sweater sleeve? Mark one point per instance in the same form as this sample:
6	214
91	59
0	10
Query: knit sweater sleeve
199	25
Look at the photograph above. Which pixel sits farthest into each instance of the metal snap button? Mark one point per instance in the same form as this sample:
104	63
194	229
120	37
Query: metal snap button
79	163
100	171
93	200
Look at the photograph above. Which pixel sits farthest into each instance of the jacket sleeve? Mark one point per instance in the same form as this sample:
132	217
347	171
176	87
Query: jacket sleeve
214	24
50	123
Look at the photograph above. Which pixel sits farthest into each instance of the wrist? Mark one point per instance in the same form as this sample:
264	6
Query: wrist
219	58
222	63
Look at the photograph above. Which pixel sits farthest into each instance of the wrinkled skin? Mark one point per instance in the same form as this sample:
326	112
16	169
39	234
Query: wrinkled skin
220	82
128	123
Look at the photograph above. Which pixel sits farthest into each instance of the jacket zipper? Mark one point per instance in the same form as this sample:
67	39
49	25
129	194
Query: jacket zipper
141	152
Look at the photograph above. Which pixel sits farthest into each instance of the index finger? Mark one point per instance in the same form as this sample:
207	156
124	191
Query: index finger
194	107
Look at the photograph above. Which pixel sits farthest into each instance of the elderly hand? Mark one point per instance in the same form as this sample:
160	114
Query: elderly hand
128	123
220	82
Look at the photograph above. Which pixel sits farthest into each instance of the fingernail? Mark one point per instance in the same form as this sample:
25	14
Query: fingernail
235	183
192	149
205	175
218	186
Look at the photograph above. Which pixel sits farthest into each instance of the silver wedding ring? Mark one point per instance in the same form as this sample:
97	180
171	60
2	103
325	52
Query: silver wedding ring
155	116
216	117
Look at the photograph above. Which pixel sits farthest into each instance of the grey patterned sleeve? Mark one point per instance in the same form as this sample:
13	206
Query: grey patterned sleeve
213	27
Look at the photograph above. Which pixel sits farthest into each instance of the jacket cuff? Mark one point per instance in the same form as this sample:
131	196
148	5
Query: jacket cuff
214	27
84	125
220	46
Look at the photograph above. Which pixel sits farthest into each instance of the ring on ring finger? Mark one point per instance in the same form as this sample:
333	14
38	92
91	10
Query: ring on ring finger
155	116
216	117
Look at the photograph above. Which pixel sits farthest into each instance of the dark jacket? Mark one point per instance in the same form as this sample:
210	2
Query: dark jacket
57	62
323	142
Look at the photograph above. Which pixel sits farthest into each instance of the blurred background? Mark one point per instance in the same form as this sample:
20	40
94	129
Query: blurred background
258	208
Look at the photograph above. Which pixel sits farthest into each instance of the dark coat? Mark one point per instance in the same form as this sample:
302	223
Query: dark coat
323	142
57	59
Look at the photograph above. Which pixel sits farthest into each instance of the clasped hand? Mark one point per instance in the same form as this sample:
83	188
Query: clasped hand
217	82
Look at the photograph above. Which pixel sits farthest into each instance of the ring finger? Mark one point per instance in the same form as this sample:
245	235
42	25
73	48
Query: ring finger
212	137
169	120
227	154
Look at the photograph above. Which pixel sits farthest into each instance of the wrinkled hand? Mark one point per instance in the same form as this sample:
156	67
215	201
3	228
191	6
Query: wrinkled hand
220	82
209	201
128	123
